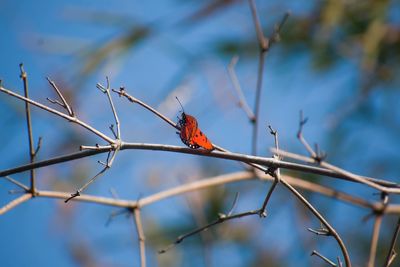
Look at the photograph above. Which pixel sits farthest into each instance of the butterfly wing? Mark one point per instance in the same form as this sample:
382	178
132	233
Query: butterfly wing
189	127
191	135
201	139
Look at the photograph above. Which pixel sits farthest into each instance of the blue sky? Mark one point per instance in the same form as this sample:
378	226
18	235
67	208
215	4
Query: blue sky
52	38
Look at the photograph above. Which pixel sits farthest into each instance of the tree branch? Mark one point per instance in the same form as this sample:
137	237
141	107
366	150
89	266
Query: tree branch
32	153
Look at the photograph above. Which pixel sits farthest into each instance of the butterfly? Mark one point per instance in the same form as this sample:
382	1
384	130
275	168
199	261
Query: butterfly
190	133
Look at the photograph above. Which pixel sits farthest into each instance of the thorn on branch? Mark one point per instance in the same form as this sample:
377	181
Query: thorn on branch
276	35
113	131
316	253
302	122
116	213
321	231
121	91
234	204
38	146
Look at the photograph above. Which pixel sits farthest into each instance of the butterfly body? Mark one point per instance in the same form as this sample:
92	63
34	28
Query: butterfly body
191	135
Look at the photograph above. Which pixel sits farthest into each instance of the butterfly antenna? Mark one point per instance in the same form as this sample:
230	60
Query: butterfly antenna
180	104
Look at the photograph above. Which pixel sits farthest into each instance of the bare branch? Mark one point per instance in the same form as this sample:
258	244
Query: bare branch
236	84
106	90
268	162
322	220
64	103
15	203
262	41
107	166
286	154
374	240
58	113
140	233
264	46
302	122
274	172
24	77
122	92
220	220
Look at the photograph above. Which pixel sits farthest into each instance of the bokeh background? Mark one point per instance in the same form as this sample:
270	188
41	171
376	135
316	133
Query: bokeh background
338	61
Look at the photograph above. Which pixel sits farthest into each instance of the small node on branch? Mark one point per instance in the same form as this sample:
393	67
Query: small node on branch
221	216
262	213
319	155
23	74
74	195
38	146
120	92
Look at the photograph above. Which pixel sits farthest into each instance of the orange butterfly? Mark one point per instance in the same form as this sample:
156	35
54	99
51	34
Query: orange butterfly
190	133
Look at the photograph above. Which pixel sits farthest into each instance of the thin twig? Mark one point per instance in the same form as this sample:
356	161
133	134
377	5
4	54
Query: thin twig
106	90
24	77
141	237
58	113
319	160
235	201
122	92
21	185
264	46
321	231
286	154
38	146
116	145
63	102
220	220
116	213
236	85
322	220
316	253
318	157
274	172
392	253
107	166
302	122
